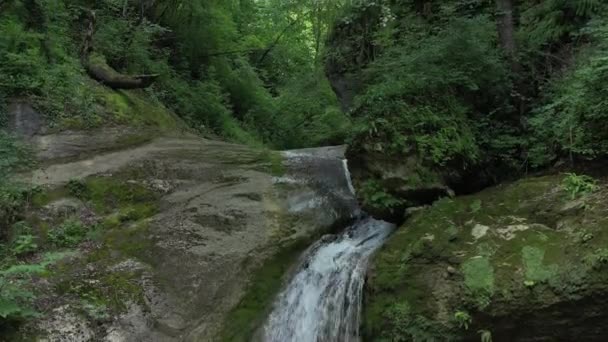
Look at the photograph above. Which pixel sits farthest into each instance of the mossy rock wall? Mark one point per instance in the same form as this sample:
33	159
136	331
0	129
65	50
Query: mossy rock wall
520	262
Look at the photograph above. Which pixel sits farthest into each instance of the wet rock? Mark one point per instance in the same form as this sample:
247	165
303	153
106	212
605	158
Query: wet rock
24	120
220	216
405	178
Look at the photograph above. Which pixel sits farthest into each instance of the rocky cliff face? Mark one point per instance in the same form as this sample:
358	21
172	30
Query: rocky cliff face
191	237
518	262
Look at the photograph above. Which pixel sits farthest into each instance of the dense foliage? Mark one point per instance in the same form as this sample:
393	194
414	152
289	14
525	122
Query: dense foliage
230	68
480	88
434	80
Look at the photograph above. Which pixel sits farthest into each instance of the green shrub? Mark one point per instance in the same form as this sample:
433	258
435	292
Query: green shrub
78	189
13	155
16	295
573	117
21	61
463	319
578	185
375	196
13	197
12	201
69	234
24	244
426	93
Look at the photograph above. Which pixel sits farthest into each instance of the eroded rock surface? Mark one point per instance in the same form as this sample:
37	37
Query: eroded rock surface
184	224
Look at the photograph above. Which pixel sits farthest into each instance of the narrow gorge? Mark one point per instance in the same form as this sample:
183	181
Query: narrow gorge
303	171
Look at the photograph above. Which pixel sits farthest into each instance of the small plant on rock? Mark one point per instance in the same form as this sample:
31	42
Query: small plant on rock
24	241
485	335
16	293
24	244
579	185
78	189
375	195
68	234
463	319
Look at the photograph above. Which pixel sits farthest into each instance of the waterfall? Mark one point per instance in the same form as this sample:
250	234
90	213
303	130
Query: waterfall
347	175
322	301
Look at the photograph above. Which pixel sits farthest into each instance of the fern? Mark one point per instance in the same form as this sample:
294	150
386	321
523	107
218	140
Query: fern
16	295
485	335
463	319
579	185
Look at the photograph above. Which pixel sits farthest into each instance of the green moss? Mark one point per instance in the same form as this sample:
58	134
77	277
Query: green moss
272	162
479	279
124	107
536	271
46	196
110	193
120	288
119	104
124	206
536	253
129	107
133	241
266	282
113	290
123	233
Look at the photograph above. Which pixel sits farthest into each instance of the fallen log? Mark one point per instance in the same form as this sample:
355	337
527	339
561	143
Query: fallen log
100	71
97	68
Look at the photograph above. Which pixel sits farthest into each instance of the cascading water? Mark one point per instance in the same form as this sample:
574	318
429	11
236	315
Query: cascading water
322	302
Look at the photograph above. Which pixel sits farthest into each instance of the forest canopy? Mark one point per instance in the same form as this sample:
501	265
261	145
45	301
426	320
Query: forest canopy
229	68
464	83
434	98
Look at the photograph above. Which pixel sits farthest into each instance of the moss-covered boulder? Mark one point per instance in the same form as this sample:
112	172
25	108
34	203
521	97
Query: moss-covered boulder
525	261
388	184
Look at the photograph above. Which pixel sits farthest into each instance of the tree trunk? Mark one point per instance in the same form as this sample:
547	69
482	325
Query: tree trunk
506	27
506	33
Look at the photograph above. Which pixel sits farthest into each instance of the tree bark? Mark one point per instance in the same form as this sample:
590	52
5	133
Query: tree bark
506	27
104	74
506	33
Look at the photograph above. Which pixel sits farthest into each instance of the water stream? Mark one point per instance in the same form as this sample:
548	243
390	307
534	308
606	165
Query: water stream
322	302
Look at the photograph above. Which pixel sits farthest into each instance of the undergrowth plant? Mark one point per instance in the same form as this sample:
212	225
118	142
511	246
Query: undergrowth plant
485	335
16	294
68	234
579	185
463	319
376	196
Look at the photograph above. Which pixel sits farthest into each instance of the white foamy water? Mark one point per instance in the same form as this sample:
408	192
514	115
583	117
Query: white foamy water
347	175
322	302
